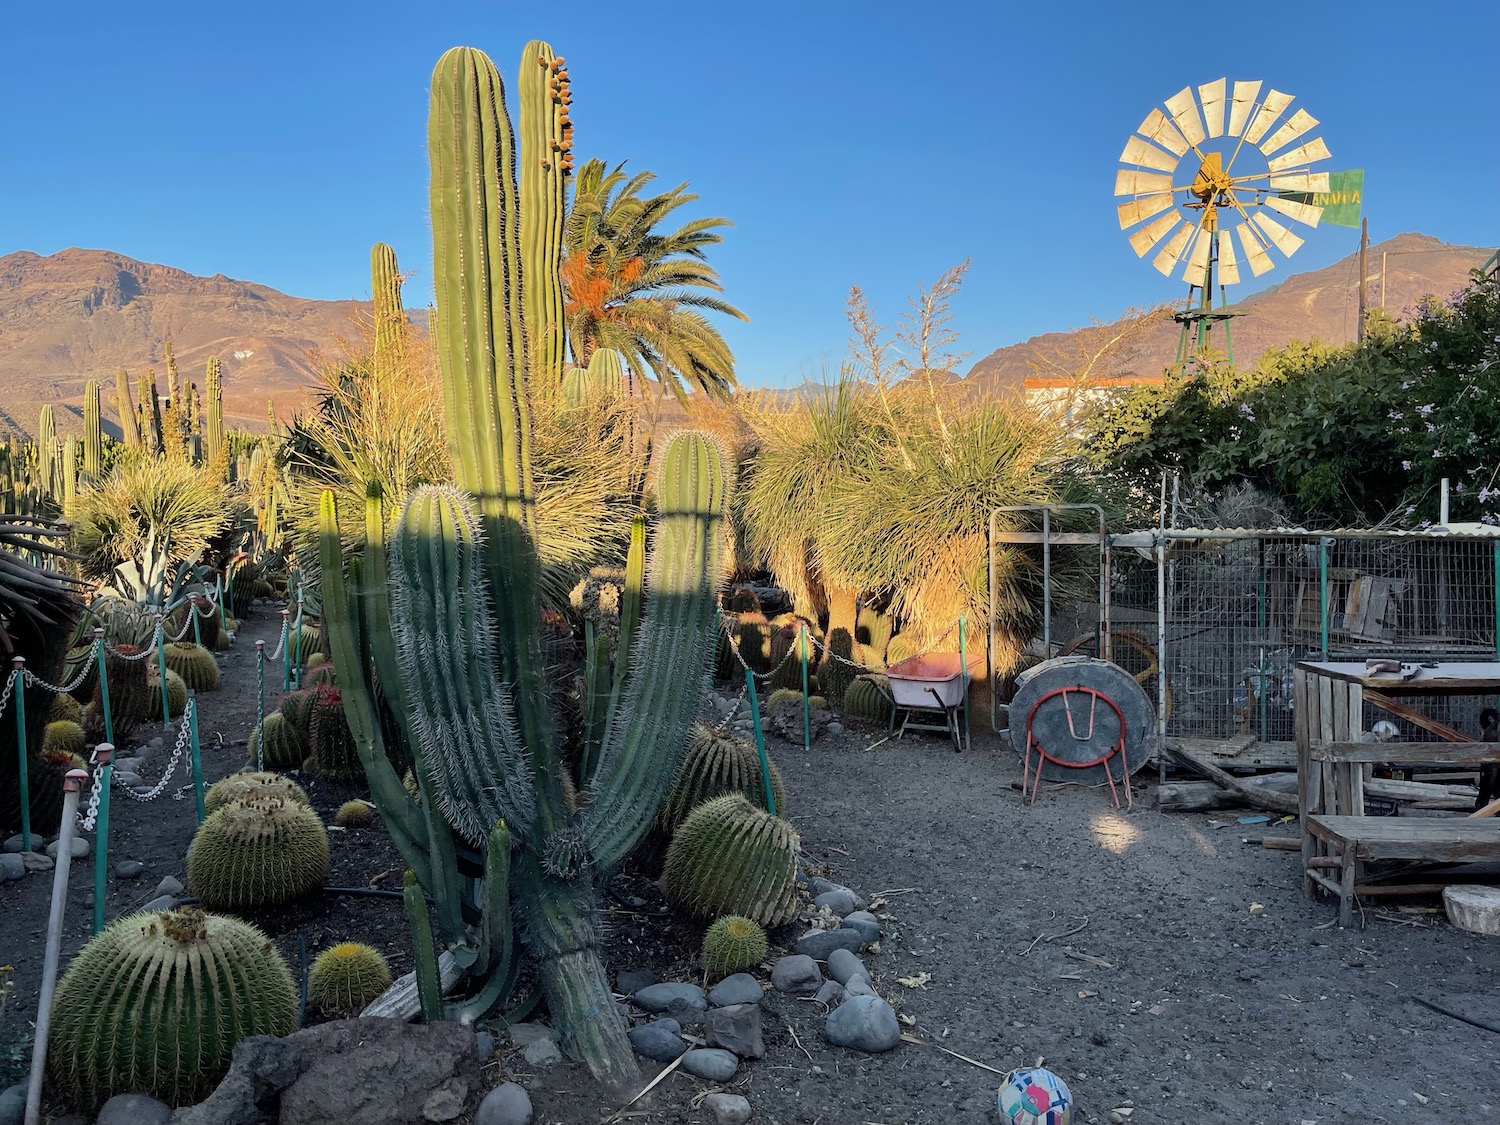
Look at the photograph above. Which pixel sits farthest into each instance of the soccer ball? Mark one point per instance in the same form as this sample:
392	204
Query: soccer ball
1035	1097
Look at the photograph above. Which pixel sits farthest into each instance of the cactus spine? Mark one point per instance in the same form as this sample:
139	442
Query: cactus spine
213	430
93	433
546	159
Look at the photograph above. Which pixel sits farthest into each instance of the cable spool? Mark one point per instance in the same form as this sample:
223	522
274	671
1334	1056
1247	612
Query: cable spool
1070	728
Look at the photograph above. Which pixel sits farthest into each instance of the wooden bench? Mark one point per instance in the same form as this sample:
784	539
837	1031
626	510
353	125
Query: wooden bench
1334	764
1361	839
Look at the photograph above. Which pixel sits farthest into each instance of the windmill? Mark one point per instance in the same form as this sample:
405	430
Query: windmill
1211	180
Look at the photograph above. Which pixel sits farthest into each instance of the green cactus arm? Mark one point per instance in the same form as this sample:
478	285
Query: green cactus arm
213	390
482	355
429	985
93	433
596	708
496	941
607	372
462	718
543	84
390	317
630	604
669	662
130	422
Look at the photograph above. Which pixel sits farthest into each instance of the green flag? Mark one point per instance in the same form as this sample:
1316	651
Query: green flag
1341	202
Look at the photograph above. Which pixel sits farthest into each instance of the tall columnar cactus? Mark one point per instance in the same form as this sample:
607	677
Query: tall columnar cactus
130	422
151	411
390	317
93	433
545	162
460	641
46	444
213	393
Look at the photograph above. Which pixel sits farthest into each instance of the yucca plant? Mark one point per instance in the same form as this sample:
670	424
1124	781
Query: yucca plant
460	641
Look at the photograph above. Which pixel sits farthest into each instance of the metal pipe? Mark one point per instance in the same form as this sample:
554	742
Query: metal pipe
109	723
1323	592
71	785
286	651
193	744
806	707
989	631
1047	583
1161	635
1443	503
161	672
104	753
1261	625
760	742
18	691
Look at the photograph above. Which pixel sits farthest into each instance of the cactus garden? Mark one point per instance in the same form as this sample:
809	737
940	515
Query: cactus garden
510	728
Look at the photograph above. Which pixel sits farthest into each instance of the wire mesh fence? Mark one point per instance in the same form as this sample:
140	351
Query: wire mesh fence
1242	609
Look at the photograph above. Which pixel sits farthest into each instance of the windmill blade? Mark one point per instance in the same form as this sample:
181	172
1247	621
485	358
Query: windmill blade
1229	269
1159	128
1197	267
1152	233
1284	240
1212	96
1313	150
1185	112
1170	254
1146	155
1139	210
1308	213
1130	182
1301	181
1245	94
1299	123
1266	115
1260	262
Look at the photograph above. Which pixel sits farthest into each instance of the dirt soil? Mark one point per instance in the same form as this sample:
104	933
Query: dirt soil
1118	947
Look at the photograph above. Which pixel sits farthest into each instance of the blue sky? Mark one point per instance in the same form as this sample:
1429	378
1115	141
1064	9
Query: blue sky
867	143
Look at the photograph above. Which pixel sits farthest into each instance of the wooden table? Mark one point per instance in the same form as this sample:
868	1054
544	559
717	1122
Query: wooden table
1333	763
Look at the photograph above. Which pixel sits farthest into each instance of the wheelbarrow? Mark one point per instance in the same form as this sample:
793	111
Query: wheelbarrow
930	692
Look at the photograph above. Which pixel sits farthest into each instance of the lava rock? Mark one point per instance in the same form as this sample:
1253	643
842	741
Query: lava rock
36	861
727	1109
832	993
446	1101
711	1063
843	964
741	988
261	1067
657	1041
866	1023
12	866
77	848
630	981
818	944
677	998
736	1028
863	923
798	974
376	1071
134	1109
543	1053
840	901
835	727
129	869
506	1104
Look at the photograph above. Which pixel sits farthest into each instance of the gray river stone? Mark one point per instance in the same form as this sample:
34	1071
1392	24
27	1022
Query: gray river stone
864	923
797	974
741	988
711	1063
842	964
676	998
866	1023
818	944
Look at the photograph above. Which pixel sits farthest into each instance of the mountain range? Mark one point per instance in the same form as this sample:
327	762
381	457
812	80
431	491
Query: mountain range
84	314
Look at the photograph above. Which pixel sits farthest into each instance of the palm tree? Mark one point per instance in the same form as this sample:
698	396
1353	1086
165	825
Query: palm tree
631	287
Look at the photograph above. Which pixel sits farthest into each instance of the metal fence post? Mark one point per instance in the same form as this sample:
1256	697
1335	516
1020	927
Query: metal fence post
18	692
105	753
109	723
806	706
191	715
1323	591
760	742
161	672
260	705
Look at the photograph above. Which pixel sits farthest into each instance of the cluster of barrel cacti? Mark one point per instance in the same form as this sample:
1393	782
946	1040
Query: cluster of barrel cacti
715	764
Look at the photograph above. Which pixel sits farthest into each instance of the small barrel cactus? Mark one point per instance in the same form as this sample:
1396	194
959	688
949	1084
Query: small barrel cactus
275	745
784	695
716	764
63	737
732	943
900	647
240	786
315	660
65	708
177	693
867	700
257	853
194	663
355	814
344	979
729	857
319	674
329	739
155	1004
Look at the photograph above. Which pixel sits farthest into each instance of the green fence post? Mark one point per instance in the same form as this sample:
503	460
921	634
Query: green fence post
223	617
806	707
260	705
286	650
191	715
109	723
18	692
105	753
760	742
197	629
161	673
297	653
963	663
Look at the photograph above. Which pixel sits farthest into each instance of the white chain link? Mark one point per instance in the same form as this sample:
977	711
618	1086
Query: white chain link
37	681
281	644
93	809
734	647
177	752
149	651
10	683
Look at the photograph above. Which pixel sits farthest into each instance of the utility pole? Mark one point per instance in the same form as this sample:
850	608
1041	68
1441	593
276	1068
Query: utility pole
1364	245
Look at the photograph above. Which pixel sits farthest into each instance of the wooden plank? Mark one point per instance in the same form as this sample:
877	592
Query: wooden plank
1321	880
1489	810
1057	538
1459	677
1407	753
400	1001
1449	840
